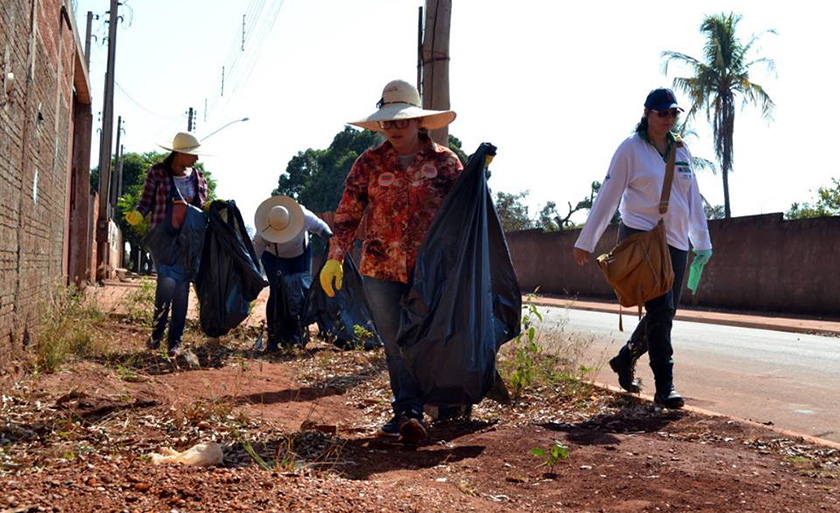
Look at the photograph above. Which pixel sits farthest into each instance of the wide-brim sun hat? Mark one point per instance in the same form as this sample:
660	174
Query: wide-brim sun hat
184	142
279	219
400	100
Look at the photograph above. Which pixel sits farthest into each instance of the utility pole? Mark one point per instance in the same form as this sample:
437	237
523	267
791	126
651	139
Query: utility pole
435	80
190	119
102	226
87	38
420	50
116	174
120	171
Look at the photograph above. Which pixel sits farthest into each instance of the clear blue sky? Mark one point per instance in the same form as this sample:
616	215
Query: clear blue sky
556	86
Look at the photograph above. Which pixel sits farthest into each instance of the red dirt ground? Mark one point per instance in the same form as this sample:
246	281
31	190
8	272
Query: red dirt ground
77	441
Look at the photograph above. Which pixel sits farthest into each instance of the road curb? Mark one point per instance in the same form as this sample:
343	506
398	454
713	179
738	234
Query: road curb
694	409
786	325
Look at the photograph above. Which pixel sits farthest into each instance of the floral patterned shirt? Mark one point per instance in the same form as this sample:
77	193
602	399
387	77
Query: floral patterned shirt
400	206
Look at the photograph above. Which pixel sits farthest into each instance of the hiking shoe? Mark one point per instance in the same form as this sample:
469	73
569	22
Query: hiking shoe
152	344
412	431
175	348
390	428
671	400
626	374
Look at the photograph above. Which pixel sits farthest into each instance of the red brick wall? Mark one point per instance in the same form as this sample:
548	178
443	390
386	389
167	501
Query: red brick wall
35	147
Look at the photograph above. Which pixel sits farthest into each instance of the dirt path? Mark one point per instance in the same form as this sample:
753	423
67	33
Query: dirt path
299	435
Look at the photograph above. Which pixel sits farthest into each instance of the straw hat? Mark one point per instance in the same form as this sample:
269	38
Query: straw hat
184	142
400	100
279	219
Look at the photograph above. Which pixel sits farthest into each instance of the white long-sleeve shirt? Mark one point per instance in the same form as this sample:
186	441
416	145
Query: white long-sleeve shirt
295	247
635	179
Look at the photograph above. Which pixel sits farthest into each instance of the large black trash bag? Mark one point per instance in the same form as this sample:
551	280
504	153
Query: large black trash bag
464	301
179	249
229	278
338	316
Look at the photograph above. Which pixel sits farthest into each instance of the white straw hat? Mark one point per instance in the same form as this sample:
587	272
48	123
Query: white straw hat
184	142
279	219
400	100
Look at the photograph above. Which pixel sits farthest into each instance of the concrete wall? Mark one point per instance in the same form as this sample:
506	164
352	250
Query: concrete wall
39	44
759	263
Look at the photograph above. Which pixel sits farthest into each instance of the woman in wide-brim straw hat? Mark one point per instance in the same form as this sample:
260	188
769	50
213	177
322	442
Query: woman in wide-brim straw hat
282	245
176	169
401	184
634	184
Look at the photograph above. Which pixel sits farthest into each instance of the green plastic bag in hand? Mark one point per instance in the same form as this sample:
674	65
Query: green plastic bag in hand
701	257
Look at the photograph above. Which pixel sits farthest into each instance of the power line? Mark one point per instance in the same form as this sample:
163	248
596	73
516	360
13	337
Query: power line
135	102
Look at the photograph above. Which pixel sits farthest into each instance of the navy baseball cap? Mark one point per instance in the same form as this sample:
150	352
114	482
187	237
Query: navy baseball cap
661	99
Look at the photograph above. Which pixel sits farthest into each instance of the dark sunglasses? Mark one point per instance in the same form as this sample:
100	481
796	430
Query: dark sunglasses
674	113
397	123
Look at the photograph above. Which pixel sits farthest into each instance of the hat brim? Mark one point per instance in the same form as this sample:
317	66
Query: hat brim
432	119
667	106
296	220
188	151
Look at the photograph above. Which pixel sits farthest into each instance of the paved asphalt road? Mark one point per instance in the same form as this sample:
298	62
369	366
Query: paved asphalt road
789	379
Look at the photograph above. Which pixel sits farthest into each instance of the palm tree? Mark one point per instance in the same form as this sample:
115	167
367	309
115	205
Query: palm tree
722	75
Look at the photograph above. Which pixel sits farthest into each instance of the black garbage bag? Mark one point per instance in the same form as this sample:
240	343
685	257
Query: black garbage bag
464	301
178	249
292	330
229	278
344	320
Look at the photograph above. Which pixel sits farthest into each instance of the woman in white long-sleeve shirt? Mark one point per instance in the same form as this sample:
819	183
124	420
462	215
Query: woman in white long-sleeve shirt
634	184
282	245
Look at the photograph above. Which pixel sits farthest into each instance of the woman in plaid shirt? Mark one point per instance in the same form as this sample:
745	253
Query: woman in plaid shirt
400	185
172	290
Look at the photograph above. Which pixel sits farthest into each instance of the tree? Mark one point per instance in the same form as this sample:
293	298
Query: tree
512	211
827	204
315	178
721	76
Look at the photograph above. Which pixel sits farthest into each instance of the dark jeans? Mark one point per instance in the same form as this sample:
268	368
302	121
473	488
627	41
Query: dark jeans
385	297
275	267
174	294
653	333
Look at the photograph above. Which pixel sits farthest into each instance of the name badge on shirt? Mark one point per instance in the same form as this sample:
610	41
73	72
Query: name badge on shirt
428	171
386	179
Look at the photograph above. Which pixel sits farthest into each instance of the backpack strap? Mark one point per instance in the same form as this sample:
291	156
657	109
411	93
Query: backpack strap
669	176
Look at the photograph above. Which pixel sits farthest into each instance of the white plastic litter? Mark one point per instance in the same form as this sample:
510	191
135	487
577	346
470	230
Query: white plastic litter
200	455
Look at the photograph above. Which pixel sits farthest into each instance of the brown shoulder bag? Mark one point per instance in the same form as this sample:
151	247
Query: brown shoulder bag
639	267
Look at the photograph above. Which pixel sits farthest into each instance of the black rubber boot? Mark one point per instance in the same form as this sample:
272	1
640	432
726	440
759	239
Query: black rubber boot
626	373
668	397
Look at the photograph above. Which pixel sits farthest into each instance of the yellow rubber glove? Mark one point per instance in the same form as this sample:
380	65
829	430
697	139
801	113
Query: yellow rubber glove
332	269
134	217
206	206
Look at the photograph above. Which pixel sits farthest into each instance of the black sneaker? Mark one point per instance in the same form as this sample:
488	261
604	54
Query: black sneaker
391	428
152	344
626	374
671	400
412	431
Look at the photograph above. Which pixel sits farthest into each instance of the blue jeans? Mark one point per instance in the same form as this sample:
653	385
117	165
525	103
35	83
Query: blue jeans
653	333
174	294
275	267
385	297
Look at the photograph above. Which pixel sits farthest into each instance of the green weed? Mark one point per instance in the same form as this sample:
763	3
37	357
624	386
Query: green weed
551	456
67	327
140	303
